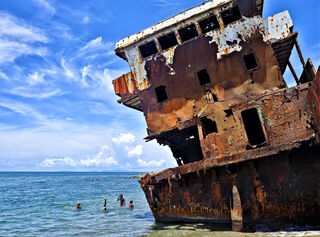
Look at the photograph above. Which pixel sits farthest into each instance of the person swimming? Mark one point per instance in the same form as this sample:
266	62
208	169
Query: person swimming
131	206
79	206
105	204
122	201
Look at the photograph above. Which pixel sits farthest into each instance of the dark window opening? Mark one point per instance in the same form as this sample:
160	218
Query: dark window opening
250	61
211	97
228	113
209	24
253	127
232	169
203	77
168	41
231	15
208	126
148	49
215	98
185	145
188	32
161	93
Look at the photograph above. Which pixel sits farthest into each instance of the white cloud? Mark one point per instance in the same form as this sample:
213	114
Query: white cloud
102	159
67	69
166	3
84	74
24	110
4	76
35	78
10	50
48	163
17	38
124	138
13	28
43	94
85	19
152	163
96	44
108	161
45	5
136	151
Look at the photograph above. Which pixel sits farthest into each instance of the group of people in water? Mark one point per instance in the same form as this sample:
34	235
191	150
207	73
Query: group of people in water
120	198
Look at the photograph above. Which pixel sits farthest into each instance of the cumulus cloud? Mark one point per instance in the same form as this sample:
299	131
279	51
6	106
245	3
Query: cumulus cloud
99	162
135	151
152	163
102	159
124	138
48	163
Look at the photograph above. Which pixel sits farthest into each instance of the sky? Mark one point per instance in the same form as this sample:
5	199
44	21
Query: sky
58	110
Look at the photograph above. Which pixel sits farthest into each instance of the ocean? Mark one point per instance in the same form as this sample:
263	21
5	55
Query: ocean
43	204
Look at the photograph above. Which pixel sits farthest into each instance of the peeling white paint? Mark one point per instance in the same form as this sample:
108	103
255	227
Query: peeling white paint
171	21
276	27
169	54
137	67
271	29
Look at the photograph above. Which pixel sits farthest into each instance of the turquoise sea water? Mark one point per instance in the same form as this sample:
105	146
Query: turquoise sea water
43	204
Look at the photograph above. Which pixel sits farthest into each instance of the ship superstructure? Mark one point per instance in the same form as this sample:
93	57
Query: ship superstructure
210	84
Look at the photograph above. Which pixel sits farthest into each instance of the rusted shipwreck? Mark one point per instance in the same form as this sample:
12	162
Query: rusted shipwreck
210	84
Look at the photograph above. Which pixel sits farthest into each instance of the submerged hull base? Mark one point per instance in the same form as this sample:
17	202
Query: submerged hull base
277	190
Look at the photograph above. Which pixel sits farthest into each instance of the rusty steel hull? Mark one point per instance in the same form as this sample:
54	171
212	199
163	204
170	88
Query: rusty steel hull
277	185
247	147
274	190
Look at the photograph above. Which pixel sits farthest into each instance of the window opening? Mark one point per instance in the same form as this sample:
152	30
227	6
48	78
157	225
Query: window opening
211	97
188	32
231	15
148	49
168	41
228	113
253	127
250	61
208	126
209	24
215	98
203	77
161	93
185	145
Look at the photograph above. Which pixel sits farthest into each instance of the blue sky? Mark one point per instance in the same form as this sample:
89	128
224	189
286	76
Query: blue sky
58	110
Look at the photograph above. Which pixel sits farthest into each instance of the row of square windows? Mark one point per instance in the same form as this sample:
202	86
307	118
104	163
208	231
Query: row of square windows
190	32
250	63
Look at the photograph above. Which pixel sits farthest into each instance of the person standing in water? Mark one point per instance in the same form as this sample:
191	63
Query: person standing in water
131	206
122	201
105	204
79	206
